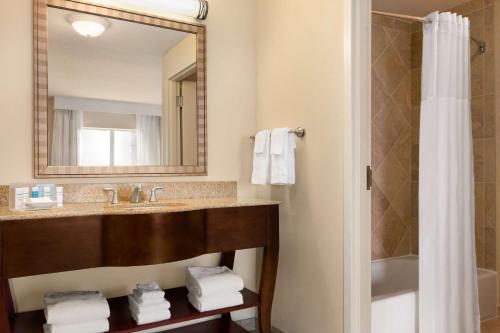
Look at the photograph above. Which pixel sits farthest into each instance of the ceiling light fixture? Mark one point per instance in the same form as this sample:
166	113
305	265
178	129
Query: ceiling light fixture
197	9
88	25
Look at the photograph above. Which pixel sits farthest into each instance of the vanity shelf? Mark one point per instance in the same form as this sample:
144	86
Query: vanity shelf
122	322
40	245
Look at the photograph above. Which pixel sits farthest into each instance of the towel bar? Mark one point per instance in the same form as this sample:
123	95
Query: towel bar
299	132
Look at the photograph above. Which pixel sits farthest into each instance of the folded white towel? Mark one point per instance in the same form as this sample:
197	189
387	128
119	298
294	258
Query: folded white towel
261	158
99	326
149	298
146	291
207	281
150	317
75	307
282	157
138	308
215	302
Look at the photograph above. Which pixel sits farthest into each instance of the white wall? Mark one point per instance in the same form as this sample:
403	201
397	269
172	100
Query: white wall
231	119
104	74
300	82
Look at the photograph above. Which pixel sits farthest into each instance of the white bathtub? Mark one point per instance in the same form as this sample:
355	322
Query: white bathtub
395	295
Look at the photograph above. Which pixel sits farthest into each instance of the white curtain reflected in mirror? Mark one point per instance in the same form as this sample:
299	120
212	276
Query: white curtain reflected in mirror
65	137
148	140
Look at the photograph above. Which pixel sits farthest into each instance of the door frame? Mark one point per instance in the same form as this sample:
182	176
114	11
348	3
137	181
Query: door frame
357	156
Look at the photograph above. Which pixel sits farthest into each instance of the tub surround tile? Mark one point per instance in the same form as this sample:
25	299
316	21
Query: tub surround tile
490	248
392	116
385	129
390	231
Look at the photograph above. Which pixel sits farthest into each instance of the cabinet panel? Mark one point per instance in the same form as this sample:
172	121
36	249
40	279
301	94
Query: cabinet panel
33	247
236	228
149	239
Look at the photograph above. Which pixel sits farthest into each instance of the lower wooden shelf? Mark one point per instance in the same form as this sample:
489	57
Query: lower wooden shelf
211	326
121	321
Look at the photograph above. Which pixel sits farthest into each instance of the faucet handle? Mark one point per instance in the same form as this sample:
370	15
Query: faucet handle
115	200
153	197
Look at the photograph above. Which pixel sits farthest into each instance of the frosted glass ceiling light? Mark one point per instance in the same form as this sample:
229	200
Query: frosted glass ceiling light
194	8
88	25
197	9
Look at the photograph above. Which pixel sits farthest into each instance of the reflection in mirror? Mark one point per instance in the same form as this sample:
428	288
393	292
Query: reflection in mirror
120	93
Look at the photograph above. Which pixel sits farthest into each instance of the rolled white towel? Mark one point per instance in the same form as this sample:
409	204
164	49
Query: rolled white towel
207	281
138	308
99	326
74	307
149	291
214	302
150	317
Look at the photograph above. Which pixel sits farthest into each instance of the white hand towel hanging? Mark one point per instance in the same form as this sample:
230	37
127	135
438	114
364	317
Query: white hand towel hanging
282	157
261	158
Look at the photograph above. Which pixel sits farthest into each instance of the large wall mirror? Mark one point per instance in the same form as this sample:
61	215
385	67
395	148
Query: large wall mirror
117	93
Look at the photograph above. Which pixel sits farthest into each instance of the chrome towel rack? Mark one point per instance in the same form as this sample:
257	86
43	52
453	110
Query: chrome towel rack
299	132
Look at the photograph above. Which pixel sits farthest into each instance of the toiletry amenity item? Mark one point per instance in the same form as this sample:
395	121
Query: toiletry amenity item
75	307
34	192
282	157
147	304
21	196
214	302
98	326
261	158
212	288
59	196
40	203
207	281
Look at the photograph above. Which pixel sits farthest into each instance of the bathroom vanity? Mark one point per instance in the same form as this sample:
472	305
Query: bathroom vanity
82	236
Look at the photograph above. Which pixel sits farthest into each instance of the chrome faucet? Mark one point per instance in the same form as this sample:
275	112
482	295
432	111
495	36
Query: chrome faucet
115	200
152	197
136	194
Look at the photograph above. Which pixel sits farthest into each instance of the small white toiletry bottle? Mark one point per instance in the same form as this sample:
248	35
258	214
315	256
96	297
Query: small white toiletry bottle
26	196
47	191
60	192
19	198
34	192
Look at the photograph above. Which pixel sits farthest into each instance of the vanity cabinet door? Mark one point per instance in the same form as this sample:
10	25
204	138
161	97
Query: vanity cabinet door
230	229
33	247
150	239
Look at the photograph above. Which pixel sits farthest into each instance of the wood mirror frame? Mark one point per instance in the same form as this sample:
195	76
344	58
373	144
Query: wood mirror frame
41	142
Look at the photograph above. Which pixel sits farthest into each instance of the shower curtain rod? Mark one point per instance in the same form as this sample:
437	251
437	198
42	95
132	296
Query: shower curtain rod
480	43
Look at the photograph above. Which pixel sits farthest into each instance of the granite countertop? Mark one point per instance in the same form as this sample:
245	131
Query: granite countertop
126	208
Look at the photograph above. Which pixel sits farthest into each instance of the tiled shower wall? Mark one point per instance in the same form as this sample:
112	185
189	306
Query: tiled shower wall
397	234
391	137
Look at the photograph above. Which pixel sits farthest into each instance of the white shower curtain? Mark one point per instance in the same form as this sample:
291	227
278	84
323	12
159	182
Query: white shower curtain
448	296
65	137
148	140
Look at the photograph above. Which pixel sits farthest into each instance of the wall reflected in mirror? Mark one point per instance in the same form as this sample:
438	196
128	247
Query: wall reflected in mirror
120	93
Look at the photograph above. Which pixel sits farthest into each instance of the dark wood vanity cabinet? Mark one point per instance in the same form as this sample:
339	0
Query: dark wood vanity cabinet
41	246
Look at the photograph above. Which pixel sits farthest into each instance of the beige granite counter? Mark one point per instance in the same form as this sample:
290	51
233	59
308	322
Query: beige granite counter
125	208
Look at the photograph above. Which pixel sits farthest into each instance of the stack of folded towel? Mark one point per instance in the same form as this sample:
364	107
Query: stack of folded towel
76	312
212	288
148	304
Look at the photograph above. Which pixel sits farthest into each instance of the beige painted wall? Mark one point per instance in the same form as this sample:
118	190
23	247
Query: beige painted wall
300	82
231	119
